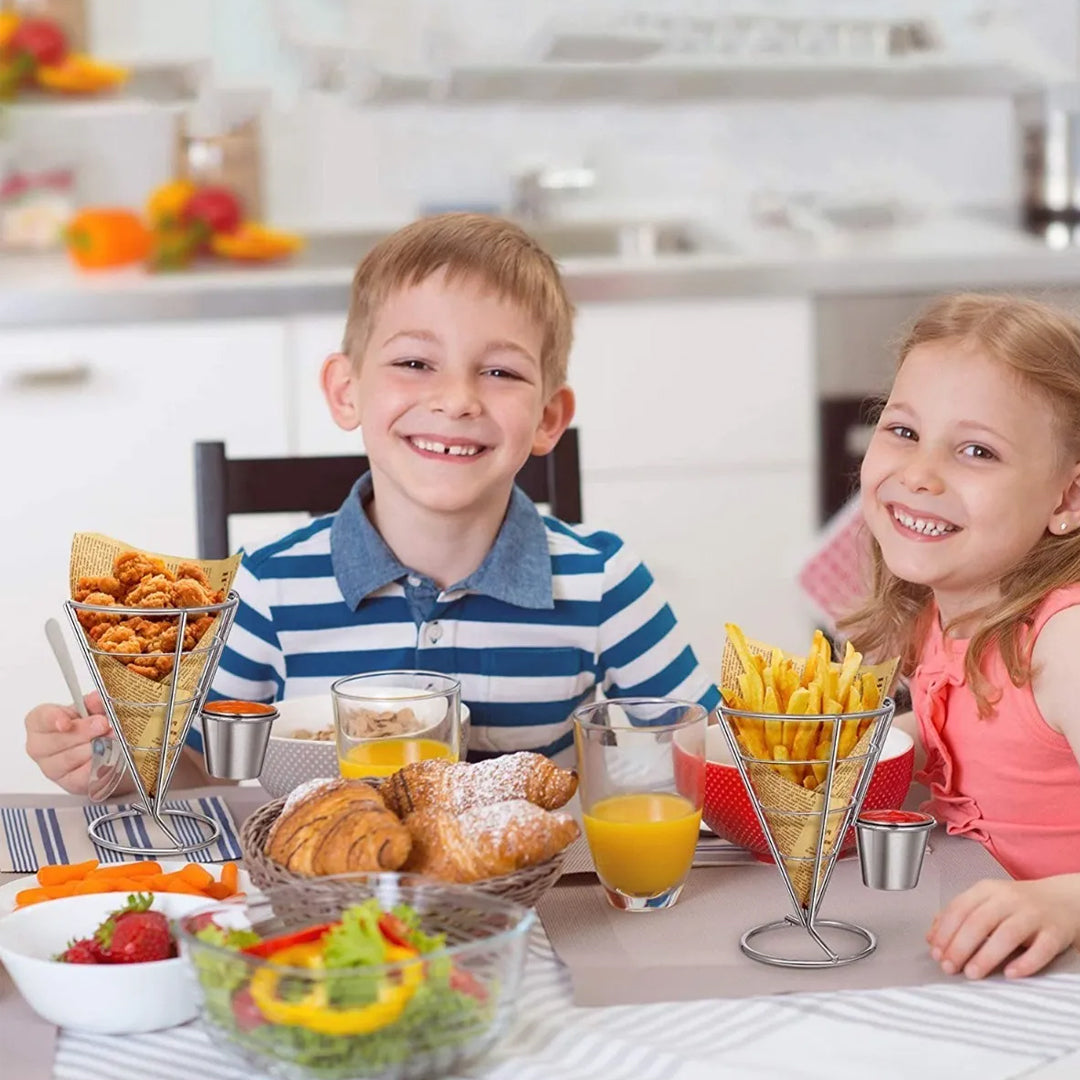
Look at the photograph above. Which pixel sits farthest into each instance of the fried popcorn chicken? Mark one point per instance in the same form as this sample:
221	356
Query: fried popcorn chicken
131	567
90	619
146	643
187	592
153	592
122	640
193	571
86	586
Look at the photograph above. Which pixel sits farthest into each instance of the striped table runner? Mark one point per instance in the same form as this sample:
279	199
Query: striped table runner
31	837
980	1031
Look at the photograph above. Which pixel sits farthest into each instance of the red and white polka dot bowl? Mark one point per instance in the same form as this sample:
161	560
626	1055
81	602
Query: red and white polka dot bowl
729	813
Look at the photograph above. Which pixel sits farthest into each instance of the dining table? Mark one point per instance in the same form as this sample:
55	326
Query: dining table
992	1029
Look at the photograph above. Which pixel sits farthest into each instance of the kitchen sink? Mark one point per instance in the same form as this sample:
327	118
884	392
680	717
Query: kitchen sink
631	239
564	240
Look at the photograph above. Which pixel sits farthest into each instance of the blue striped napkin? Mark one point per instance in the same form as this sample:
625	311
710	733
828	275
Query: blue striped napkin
34	837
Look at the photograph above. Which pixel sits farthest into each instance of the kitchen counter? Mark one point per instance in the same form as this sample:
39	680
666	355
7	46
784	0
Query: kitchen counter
934	254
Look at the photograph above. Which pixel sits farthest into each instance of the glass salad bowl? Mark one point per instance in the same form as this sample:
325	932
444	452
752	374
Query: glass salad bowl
371	975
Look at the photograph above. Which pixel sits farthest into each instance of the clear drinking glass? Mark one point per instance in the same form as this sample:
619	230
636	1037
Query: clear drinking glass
641	780
386	719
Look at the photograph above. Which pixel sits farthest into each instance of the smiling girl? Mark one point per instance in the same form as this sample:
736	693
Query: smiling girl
971	491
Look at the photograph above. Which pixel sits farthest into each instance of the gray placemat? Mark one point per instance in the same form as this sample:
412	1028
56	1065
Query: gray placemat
691	951
28	1042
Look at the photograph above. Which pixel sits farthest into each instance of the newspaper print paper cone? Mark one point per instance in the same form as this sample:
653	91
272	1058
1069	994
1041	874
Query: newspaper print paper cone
141	703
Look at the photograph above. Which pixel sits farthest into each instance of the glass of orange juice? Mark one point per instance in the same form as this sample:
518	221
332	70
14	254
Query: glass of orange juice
641	770
386	719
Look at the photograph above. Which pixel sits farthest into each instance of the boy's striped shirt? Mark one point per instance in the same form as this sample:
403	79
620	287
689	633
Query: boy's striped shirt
523	669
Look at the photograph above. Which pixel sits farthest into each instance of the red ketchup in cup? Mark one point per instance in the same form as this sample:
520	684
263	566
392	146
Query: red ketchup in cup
897	818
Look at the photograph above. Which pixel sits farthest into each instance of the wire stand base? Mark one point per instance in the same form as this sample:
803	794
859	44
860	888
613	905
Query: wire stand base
832	958
206	826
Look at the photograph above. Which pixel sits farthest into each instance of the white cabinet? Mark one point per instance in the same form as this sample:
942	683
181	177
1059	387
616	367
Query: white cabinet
667	383
723	546
96	433
697	422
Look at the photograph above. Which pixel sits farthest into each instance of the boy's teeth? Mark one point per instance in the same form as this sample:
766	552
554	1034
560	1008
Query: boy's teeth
922	525
442	448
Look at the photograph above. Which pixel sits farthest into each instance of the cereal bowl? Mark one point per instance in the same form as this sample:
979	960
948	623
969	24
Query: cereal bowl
106	999
730	814
292	759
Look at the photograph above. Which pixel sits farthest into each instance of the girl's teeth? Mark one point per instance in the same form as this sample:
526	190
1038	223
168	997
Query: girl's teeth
921	525
442	448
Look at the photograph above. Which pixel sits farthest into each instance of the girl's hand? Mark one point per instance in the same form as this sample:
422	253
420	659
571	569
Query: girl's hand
59	740
983	927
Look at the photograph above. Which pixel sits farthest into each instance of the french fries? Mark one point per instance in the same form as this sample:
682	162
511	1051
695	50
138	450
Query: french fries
821	686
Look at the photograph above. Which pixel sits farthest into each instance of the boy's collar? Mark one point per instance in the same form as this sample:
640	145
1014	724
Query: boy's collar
517	569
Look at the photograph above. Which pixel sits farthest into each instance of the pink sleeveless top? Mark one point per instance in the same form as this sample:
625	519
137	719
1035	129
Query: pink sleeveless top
1008	781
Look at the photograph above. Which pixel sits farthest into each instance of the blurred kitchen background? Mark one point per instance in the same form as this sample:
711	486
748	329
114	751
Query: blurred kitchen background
748	199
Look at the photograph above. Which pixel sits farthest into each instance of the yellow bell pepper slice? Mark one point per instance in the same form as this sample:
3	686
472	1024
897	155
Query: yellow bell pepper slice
314	1011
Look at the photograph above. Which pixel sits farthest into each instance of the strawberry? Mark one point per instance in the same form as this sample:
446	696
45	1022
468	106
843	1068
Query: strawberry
82	951
134	934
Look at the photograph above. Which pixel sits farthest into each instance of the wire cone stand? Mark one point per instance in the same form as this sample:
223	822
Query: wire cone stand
805	843
164	712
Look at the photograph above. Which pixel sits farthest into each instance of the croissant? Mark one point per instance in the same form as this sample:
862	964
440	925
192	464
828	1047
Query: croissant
338	828
456	786
486	841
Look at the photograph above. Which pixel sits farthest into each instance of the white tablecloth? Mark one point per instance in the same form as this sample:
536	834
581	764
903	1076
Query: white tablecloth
992	1030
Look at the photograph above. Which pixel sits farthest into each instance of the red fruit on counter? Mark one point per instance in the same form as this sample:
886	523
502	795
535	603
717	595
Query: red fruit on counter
83	951
216	209
41	40
136	935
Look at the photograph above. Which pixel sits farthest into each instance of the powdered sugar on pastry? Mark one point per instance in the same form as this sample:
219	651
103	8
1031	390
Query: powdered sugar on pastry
456	787
510	817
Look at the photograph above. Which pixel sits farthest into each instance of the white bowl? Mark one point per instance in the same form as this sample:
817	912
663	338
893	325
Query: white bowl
290	762
106	999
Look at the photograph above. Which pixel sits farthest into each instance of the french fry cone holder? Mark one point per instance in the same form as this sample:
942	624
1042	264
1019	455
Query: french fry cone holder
151	718
805	803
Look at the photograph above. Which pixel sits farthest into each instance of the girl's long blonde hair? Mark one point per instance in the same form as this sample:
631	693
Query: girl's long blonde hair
1041	346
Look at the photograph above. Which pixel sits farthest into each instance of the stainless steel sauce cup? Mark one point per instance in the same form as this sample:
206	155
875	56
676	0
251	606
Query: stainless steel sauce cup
235	737
892	844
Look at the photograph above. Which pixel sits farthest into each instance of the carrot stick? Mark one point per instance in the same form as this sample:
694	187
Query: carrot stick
195	875
60	874
230	877
31	896
126	870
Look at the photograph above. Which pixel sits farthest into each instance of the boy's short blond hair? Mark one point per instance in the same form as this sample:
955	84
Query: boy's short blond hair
492	250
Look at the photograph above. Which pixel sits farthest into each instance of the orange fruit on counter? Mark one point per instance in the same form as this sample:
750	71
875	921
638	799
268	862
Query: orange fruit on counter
254	242
80	74
100	238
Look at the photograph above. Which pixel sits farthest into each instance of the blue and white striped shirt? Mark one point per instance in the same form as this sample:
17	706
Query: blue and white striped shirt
553	613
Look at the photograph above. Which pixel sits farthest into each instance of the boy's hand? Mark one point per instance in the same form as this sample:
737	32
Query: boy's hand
983	927
59	740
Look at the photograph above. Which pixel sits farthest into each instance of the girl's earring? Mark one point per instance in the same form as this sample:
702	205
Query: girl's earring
1064	526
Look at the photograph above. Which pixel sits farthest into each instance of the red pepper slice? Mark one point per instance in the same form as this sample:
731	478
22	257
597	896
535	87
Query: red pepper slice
464	982
268	946
395	931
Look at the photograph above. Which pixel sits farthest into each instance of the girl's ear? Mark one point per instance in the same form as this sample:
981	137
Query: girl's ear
555	419
1066	516
339	382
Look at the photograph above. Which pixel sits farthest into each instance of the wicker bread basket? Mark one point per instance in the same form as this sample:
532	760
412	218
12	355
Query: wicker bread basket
523	887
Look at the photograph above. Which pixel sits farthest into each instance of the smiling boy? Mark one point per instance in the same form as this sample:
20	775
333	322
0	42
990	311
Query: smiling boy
454	367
